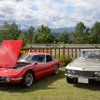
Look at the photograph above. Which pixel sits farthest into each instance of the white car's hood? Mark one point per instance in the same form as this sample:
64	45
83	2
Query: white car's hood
84	64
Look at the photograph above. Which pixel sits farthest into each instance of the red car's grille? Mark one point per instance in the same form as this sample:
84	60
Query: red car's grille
1	79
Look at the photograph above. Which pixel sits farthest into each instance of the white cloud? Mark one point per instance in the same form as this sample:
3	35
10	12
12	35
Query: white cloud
54	13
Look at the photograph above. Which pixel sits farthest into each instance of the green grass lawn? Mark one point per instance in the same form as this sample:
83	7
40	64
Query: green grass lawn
51	88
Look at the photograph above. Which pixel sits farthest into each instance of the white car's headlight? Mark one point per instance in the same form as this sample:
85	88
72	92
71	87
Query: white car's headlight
97	73
70	71
73	71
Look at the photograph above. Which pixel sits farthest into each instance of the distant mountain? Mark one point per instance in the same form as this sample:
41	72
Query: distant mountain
60	30
54	30
25	27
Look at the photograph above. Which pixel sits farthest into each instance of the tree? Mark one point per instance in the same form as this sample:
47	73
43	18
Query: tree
43	35
95	33
30	34
6	26
23	37
37	38
63	37
9	31
4	31
79	33
44	29
14	32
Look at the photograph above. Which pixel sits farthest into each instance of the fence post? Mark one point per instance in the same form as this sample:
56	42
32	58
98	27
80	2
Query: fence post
63	55
95	46
30	48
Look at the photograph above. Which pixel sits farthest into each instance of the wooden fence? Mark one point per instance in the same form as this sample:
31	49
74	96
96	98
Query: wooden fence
65	54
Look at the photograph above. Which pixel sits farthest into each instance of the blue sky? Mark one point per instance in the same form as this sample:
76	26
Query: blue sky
53	13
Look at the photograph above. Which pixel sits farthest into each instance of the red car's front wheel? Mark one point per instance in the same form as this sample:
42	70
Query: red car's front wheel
28	79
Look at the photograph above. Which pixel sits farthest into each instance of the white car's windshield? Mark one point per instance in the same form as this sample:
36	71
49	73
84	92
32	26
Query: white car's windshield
90	54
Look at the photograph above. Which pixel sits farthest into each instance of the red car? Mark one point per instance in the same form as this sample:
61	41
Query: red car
30	67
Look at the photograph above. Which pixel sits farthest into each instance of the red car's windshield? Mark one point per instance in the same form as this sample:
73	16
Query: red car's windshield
33	57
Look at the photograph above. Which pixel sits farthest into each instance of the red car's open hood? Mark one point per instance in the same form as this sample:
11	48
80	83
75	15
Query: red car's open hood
9	52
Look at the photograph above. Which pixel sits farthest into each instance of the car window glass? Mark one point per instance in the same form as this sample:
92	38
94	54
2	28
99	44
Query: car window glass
25	57
48	58
37	58
91	54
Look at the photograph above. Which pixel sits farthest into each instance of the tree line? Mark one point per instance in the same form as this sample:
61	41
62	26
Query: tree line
43	34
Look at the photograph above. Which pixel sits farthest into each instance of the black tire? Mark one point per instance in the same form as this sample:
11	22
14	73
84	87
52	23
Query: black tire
28	79
70	80
56	70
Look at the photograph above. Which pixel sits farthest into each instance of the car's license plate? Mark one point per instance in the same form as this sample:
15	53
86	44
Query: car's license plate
83	80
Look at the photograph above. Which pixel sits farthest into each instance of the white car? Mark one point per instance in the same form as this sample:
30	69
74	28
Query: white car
85	67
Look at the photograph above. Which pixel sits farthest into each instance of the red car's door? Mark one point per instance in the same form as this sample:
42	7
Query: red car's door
45	68
50	63
41	70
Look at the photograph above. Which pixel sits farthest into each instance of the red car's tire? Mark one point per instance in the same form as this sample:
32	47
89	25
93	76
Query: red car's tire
28	79
56	70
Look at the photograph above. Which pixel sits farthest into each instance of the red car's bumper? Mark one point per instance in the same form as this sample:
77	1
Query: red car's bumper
4	79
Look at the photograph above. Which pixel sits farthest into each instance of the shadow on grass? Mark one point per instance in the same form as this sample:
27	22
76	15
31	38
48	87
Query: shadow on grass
93	85
45	83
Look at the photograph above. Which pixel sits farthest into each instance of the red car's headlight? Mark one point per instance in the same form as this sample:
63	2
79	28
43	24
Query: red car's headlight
6	79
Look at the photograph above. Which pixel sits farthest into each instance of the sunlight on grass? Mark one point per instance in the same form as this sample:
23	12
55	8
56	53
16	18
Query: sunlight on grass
51	88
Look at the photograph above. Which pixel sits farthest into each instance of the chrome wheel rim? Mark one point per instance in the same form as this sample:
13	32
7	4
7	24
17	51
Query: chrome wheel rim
56	69
29	79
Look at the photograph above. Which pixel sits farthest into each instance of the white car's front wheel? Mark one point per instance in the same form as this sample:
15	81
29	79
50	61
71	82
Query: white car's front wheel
69	80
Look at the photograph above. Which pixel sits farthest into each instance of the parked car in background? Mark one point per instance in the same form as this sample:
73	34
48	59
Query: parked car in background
30	67
85	67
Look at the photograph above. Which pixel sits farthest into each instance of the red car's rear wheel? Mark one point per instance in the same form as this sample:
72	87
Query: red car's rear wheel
56	70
